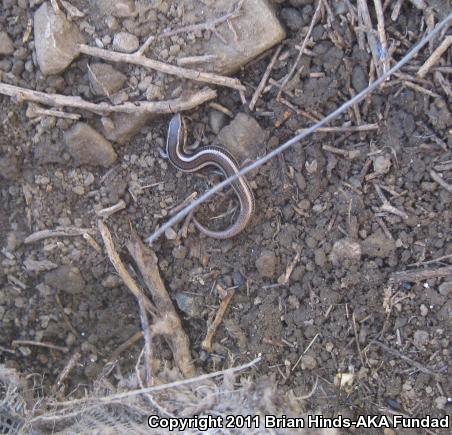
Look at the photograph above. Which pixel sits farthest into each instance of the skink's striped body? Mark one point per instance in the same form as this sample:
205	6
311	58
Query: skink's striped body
210	156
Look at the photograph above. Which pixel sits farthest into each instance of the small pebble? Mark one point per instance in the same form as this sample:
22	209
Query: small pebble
170	234
125	42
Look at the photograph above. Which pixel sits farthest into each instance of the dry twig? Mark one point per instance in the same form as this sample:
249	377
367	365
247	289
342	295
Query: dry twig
436	177
167	320
264	78
190	74
57	232
421	274
302	48
16	343
207	342
435	56
169	106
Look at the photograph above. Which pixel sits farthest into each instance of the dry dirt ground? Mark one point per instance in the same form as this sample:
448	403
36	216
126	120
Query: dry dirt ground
339	312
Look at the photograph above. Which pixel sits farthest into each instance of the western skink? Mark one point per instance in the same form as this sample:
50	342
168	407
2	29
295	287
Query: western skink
209	156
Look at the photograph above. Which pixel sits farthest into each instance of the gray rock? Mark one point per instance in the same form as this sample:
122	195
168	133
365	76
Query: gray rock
125	42
123	126
382	164
360	78
188	304
308	362
104	79
445	288
345	249
257	28
266	264
65	278
170	234
117	8
292	18
420	338
244	137
6	44
56	40
217	120
378	245
88	147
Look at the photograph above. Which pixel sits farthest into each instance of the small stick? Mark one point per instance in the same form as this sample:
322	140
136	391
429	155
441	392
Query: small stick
386	206
57	232
434	57
126	345
106	212
435	260
122	271
351	129
396	10
382	34
199	76
419	88
190	60
34	110
301	50
420	367
264	78
363	13
207	342
383	226
16	343
421	275
436	177
355	330
147	343
304	352
349	154
90	240
186	201
169	106
73	360
221	108
284	279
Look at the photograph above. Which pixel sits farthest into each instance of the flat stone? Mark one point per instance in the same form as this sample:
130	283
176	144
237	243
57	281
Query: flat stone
6	44
56	40
88	147
65	278
117	8
257	29
445	288
125	42
123	126
244	137
104	79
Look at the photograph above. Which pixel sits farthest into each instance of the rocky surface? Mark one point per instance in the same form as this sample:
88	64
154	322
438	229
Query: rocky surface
88	147
244	137
104	79
56	40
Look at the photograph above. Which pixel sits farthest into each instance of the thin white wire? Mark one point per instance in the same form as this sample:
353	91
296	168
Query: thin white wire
356	99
